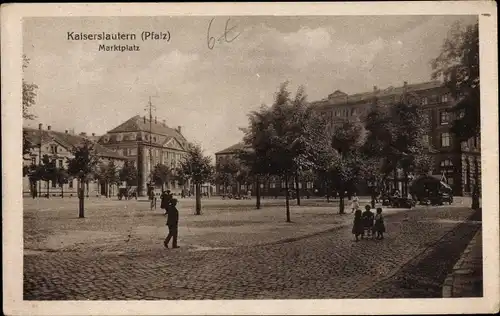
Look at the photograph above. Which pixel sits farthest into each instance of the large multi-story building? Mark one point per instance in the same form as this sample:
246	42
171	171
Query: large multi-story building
458	163
148	143
58	146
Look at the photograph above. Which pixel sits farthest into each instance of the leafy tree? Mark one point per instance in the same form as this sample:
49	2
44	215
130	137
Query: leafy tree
409	127
161	175
62	178
112	173
226	170
283	138
29	96
128	173
34	174
82	166
458	66
345	164
47	171
198	168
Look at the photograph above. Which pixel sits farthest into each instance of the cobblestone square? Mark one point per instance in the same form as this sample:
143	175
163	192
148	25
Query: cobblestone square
233	251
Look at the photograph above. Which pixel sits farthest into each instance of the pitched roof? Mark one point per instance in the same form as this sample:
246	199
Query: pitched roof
69	141
232	149
138	123
364	96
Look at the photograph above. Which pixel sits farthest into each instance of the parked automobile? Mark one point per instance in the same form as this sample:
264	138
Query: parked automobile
430	190
127	192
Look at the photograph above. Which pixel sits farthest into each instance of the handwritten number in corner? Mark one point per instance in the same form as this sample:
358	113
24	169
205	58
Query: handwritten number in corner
210	39
223	38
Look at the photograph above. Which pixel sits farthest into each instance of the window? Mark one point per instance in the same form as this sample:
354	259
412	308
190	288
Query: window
309	185
33	160
60	163
53	184
262	185
446	164
446	168
445	139
242	187
444	117
283	184
424	101
300	185
70	183
444	98
53	149
272	185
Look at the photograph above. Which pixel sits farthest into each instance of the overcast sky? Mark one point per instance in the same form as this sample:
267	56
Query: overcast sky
210	91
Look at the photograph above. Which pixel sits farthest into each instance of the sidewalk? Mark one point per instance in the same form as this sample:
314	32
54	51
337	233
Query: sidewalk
466	278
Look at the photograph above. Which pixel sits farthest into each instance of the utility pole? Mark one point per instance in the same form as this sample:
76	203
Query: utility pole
150	108
40	158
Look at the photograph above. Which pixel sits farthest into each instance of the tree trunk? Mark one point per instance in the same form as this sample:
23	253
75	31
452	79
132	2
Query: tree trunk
287	200
341	200
87	185
198	198
62	190
81	197
257	192
395	180
48	188
297	189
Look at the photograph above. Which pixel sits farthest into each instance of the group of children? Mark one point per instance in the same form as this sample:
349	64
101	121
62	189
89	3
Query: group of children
372	224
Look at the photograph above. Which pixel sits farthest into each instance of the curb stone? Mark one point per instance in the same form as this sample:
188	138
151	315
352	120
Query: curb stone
448	285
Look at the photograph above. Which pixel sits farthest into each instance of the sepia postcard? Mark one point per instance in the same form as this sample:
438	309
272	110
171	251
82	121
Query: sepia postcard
250	158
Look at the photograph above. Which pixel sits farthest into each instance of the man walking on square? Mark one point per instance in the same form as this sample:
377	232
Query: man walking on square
166	200
172	223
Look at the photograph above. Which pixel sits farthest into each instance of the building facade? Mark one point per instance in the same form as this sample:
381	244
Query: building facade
456	163
58	146
148	143
269	186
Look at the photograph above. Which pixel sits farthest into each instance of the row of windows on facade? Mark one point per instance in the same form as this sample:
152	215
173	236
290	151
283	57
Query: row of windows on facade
134	136
445	140
274	185
444	116
59	163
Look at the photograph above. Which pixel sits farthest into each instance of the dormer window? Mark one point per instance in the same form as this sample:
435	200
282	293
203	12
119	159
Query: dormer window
444	98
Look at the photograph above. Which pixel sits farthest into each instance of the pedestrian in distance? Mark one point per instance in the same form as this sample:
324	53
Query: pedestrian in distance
355	203
368	218
379	226
172	224
357	227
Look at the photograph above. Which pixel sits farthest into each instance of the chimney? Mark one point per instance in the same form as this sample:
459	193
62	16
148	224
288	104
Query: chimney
49	127
155	120
83	134
66	132
93	134
405	83
375	89
40	126
179	129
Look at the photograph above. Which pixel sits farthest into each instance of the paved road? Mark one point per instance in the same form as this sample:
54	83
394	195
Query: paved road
420	247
